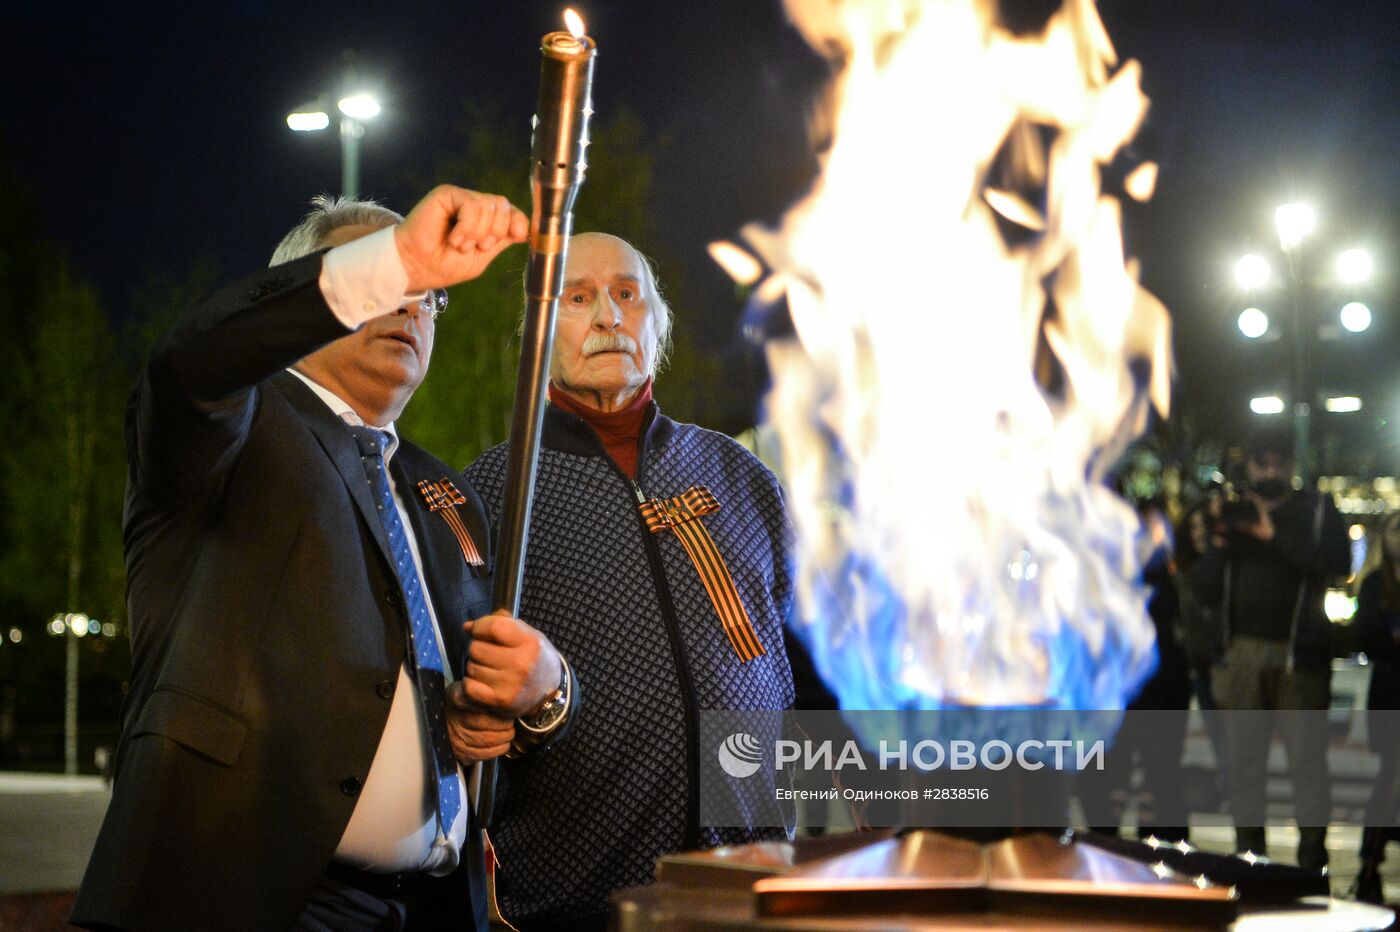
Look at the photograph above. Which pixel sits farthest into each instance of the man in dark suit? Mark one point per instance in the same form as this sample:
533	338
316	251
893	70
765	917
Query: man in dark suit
298	579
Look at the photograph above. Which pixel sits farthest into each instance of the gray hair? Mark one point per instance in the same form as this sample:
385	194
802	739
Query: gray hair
330	212
661	312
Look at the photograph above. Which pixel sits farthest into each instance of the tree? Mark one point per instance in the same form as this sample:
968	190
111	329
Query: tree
61	468
464	407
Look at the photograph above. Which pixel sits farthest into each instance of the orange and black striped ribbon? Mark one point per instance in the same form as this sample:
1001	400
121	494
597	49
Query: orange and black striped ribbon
679	514
443	497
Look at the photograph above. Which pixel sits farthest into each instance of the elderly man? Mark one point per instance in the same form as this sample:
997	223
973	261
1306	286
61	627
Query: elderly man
661	616
298	579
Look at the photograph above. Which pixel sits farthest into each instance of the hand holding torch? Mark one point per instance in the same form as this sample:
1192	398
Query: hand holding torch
557	165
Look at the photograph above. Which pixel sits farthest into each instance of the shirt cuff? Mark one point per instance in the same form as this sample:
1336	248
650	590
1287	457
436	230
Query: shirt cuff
364	278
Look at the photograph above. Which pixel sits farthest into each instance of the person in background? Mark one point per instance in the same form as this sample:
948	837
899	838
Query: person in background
1155	728
1202	638
1272	556
1378	625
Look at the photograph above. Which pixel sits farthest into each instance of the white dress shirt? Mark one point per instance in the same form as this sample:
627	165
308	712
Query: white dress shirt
394	826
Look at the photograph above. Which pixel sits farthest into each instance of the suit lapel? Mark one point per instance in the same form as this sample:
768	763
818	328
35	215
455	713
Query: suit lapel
334	437
443	566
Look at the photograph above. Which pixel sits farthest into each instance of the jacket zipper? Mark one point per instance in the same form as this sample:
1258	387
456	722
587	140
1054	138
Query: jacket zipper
673	631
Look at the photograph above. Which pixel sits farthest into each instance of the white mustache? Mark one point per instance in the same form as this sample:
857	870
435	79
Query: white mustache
608	343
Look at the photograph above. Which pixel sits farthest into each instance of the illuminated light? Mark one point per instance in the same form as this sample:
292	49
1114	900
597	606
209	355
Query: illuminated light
78	624
308	122
1268	404
1354	266
574	23
57	626
1385	484
1344	404
1338	606
109	630
1356	532
94	626
1356	316
359	106
1294	222
1253	323
1009	574
1141	182
16	635
1251	272
737	263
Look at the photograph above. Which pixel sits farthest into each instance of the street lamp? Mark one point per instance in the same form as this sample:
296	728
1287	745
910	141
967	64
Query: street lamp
354	109
1343	404
1251	272
1356	316
1354	266
1253	323
1294	223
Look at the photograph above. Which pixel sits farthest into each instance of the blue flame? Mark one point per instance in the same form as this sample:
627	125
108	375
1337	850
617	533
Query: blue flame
862	656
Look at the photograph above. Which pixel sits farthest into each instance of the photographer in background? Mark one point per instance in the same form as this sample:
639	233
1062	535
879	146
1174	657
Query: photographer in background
1271	557
1378	622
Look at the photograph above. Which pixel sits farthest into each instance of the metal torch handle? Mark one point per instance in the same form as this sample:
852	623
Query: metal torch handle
557	168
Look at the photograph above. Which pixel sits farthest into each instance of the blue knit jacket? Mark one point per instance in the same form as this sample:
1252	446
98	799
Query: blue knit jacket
629	611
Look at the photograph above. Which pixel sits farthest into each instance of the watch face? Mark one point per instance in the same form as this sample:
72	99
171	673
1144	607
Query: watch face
548	712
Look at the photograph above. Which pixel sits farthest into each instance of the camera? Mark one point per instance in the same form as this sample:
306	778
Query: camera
1237	513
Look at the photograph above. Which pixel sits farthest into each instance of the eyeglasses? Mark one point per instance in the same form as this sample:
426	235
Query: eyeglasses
433	303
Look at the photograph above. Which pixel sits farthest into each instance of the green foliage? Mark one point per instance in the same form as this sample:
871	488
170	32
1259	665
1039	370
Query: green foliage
62	466
464	406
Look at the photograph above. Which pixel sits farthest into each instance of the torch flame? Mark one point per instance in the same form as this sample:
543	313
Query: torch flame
574	23
972	354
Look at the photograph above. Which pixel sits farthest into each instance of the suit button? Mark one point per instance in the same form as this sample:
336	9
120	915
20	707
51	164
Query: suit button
393	598
385	689
350	786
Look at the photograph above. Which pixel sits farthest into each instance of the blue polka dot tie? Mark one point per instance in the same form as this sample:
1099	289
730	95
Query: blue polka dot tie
427	660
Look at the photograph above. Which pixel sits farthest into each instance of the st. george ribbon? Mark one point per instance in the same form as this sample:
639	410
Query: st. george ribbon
557	165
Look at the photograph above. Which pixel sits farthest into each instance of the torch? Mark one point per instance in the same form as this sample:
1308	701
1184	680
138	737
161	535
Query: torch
557	164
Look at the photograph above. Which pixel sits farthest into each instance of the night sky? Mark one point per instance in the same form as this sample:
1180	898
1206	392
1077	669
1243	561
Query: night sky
154	134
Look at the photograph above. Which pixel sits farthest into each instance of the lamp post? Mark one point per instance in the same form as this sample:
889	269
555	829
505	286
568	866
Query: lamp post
1294	223
71	626
354	107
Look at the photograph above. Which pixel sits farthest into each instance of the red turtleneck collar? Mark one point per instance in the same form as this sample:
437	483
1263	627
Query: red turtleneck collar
620	430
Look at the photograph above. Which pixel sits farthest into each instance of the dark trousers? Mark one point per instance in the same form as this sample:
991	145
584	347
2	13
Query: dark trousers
347	900
1253	675
1151	740
1383	807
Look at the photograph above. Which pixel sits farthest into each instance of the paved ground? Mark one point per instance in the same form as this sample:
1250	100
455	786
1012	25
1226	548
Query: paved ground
48	824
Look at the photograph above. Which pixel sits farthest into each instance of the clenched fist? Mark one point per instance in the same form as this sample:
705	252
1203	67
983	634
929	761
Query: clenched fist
452	235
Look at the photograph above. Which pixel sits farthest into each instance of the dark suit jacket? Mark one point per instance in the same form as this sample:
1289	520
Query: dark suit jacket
267	627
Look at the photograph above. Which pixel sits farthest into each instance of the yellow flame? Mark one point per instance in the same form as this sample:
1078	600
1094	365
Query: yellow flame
737	263
574	23
967	376
1141	182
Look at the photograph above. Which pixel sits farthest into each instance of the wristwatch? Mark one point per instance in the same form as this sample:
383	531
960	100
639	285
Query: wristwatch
550	713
